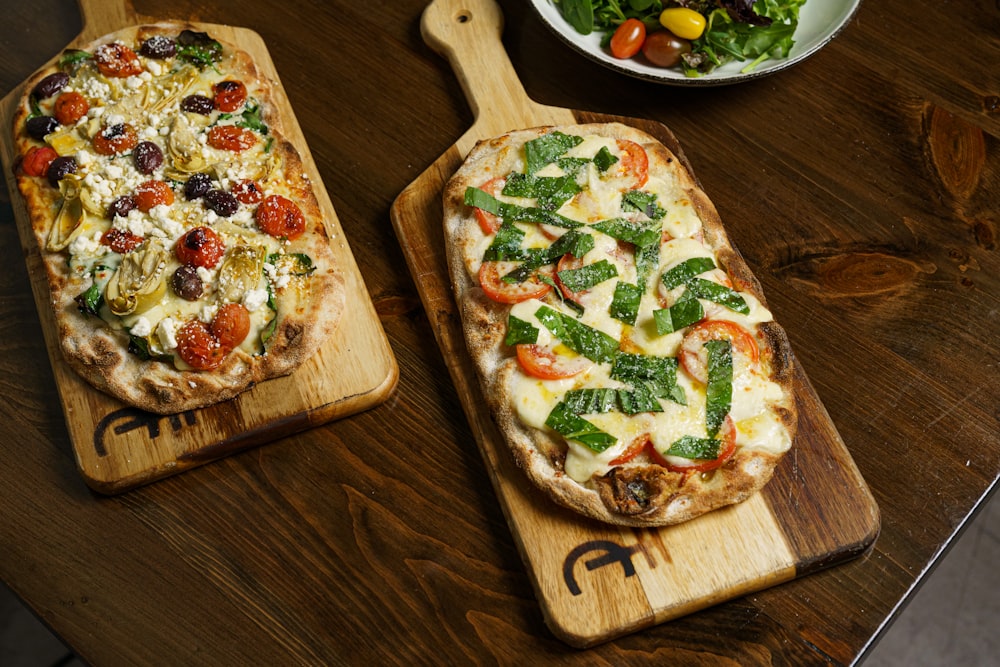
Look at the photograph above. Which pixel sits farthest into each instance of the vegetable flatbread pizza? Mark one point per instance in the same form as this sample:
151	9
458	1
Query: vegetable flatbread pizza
184	245
625	349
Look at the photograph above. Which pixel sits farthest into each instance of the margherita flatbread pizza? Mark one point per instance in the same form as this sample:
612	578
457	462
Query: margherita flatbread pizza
623	345
184	245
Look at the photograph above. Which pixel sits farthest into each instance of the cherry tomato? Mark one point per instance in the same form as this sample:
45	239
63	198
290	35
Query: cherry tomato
280	217
664	49
541	362
37	160
727	434
200	246
247	192
70	107
231	138
490	279
198	347
115	60
683	22
115	139
488	222
151	194
628	38
120	240
231	325
229	95
692	357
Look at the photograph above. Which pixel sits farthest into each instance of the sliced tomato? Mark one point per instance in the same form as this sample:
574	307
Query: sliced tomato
636	447
488	222
693	358
633	165
541	362
491	280
677	464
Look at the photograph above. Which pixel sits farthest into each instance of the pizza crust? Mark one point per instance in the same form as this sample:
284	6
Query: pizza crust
665	497
308	310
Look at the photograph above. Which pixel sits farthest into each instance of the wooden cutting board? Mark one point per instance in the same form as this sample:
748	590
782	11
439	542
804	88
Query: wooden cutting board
118	448
593	581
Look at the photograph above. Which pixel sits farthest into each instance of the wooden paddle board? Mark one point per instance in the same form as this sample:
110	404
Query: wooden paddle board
117	447
593	581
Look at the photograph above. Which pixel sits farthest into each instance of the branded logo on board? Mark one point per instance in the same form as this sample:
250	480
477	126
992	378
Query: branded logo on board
130	419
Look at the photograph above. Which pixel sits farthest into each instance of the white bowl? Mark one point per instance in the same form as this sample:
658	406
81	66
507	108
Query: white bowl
819	22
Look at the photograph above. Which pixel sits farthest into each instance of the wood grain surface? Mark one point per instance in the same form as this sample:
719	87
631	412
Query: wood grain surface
861	187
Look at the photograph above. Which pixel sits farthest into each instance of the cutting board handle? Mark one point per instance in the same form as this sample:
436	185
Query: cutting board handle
468	34
101	17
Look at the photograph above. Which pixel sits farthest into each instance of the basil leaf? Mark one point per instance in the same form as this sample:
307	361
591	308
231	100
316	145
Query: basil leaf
545	149
604	159
89	301
252	119
513	213
587	276
573	427
644	202
686	311
624	230
572	242
577	336
506	245
684	272
647	259
641	398
591	401
551	192
625	302
519	331
720	294
572	166
690	447
719	391
659	374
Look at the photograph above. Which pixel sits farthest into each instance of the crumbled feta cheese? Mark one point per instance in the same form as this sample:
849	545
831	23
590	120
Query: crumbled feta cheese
254	299
166	331
141	328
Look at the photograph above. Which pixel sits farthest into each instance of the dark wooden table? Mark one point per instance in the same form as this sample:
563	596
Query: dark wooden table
862	186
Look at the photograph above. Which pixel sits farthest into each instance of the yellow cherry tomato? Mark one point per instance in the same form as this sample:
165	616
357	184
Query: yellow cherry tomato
683	22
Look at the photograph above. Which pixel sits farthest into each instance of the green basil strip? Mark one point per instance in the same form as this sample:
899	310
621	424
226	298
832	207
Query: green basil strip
686	271
686	311
631	232
720	294
519	331
625	303
719	392
690	447
551	192
658	374
506	244
573	427
644	202
545	149
572	166
582	339
604	159
641	398
513	213
593	401
572	242
587	276
647	260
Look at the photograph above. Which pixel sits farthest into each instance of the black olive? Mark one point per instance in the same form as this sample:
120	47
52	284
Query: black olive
50	85
197	186
121	206
187	283
222	202
39	126
197	104
158	47
60	168
147	157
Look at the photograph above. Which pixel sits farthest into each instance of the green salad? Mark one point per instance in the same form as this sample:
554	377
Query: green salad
696	36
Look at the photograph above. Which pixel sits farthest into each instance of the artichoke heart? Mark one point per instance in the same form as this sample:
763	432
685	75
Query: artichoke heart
168	89
241	271
139	282
69	220
184	151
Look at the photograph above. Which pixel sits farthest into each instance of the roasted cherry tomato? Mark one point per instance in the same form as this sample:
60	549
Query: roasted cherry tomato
115	139
488	222
198	347
229	95
280	217
541	362
491	280
247	192
115	60
120	240
664	49
628	38
683	22
231	138
151	194
70	107
231	325
37	160
727	434
200	246
693	357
